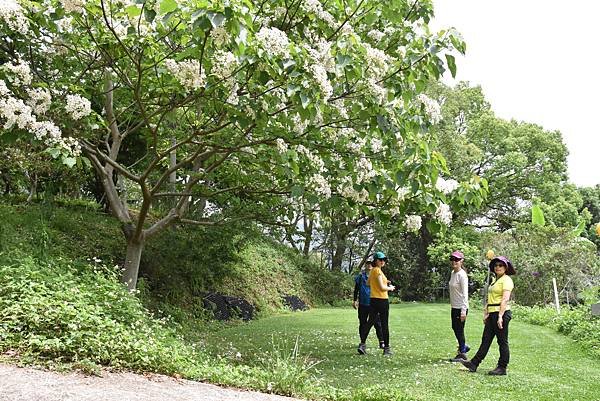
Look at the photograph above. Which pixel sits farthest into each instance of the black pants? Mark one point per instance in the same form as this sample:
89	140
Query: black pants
490	331
459	328
380	308
363	319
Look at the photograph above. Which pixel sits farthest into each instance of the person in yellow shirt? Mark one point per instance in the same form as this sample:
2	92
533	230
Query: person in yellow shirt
496	317
380	306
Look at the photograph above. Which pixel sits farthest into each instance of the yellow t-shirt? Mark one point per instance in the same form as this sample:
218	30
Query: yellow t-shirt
373	281
496	290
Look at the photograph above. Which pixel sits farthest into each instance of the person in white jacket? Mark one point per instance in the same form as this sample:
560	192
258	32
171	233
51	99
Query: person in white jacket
458	287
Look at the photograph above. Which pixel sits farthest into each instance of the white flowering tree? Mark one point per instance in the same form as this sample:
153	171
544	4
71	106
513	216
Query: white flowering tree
242	107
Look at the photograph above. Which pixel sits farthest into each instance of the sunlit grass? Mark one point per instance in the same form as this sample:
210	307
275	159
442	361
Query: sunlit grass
544	365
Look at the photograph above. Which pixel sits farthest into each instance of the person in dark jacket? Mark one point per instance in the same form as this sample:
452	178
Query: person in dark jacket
362	302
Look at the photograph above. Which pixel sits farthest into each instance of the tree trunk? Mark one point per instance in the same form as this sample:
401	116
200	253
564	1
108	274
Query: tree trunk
308	229
338	255
132	263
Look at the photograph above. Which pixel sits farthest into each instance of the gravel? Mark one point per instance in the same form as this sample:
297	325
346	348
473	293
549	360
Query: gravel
26	384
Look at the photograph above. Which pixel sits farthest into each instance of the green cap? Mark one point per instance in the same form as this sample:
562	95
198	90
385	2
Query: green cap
379	255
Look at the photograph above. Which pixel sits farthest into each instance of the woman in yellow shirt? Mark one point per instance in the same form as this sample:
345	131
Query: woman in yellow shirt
380	306
496	316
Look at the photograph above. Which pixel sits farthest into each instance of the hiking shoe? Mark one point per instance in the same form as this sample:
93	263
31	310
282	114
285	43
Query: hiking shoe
362	348
498	371
381	345
387	351
469	365
459	357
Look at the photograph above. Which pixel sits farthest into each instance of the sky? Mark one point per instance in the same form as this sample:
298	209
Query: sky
537	61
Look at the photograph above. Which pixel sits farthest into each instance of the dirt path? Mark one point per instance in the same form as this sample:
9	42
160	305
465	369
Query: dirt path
25	384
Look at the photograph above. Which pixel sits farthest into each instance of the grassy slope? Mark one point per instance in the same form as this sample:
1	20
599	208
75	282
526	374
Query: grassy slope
179	264
544	365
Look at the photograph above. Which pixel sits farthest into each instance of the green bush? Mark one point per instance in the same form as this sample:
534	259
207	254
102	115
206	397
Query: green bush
70	312
576	322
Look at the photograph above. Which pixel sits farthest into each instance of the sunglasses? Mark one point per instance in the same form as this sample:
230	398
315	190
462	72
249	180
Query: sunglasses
453	259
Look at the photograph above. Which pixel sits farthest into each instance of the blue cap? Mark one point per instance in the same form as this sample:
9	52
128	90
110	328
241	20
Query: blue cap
379	255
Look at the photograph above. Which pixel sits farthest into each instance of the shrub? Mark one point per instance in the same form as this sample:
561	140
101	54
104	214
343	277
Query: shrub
81	313
576	322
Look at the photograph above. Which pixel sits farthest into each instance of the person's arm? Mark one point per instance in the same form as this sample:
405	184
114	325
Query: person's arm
356	289
383	285
505	298
464	285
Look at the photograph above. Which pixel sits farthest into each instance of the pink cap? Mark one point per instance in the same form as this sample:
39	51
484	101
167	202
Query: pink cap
457	255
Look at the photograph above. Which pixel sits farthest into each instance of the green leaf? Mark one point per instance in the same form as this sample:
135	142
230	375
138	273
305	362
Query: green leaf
133	11
537	216
579	229
451	64
167	6
305	100
216	19
69	161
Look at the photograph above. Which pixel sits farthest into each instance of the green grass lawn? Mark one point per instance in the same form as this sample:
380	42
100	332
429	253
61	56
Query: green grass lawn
544	365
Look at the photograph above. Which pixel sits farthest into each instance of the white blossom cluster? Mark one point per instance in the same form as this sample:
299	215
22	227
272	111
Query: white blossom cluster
220	36
320	185
413	222
282	146
71	6
320	75
15	112
299	124
187	72
377	60
364	170
224	64
39	100
432	108
19	73
377	145
78	106
274	41
12	14
375	35
315	7
356	143
443	214
378	92
446	186
312	157
346	189
233	97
